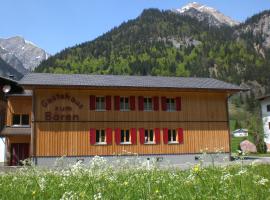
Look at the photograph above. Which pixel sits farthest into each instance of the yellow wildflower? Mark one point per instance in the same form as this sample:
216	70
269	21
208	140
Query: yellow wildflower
157	191
33	193
125	183
196	168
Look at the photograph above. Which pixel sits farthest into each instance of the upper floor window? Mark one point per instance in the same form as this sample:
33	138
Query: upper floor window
268	108
147	104
20	120
125	136
100	136
172	136
124	103
149	136
170	104
100	103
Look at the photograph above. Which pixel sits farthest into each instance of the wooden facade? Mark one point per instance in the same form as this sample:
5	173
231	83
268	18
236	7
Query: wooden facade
203	117
62	120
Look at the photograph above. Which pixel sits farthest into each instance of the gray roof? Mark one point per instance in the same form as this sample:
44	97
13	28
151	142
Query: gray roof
85	80
15	131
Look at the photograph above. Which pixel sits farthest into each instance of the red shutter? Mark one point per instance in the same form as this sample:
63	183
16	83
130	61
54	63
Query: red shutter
133	136
108	103
116	103
92	102
164	103
165	135
109	136
117	136
180	136
142	139
92	136
156	103
132	103
140	103
157	135
178	103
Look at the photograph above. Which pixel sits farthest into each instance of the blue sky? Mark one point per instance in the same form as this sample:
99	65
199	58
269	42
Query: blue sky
56	24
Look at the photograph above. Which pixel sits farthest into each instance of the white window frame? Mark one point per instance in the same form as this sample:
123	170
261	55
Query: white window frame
20	124
146	105
147	133
99	106
171	132
124	106
99	139
126	132
171	105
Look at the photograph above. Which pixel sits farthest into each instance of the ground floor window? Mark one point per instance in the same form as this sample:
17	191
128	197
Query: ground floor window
100	136
149	136
172	136
125	136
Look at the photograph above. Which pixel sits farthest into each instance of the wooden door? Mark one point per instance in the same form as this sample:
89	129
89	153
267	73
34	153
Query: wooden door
19	152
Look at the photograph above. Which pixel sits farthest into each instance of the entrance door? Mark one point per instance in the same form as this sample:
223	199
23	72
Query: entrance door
19	151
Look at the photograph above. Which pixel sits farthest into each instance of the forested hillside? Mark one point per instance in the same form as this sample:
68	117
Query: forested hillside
166	43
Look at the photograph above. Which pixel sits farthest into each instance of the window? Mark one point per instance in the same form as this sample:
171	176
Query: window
172	136
25	119
147	104
100	103
170	104
268	108
149	136
269	125
100	136
125	137
124	103
20	120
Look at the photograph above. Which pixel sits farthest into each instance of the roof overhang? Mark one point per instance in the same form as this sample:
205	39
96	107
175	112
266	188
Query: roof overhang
15	131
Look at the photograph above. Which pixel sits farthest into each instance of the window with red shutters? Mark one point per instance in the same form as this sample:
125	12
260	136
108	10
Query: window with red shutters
132	102
178	103
156	103
133	136
164	103
165	135
92	136
172	136
157	135
92	102
109	136
117	103
125	136
142	139
140	102
180	136
108	103
117	136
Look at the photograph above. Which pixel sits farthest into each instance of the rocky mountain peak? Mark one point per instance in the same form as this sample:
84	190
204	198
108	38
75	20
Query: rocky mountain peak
203	12
17	48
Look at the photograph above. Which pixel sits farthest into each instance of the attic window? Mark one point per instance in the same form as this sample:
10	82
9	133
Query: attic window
268	108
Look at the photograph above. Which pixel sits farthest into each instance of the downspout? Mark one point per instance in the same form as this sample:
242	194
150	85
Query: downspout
228	124
33	129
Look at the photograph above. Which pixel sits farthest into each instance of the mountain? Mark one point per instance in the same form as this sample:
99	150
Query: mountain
205	13
6	70
171	44
21	54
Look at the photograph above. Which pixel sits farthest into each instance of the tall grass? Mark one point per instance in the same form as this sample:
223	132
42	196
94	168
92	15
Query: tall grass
102	180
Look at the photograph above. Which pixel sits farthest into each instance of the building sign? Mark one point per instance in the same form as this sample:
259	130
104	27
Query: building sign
61	112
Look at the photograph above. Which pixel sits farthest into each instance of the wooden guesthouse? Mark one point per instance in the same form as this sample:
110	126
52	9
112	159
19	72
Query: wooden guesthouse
80	116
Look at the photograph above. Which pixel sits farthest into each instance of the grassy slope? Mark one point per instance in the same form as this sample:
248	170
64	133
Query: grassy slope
94	182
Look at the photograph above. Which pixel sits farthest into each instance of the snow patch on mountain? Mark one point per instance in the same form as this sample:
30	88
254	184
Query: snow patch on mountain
203	12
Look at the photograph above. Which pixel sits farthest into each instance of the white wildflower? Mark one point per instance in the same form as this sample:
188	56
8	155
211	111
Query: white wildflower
97	196
70	196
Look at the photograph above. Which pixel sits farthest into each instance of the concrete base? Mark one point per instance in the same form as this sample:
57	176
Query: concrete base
161	160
